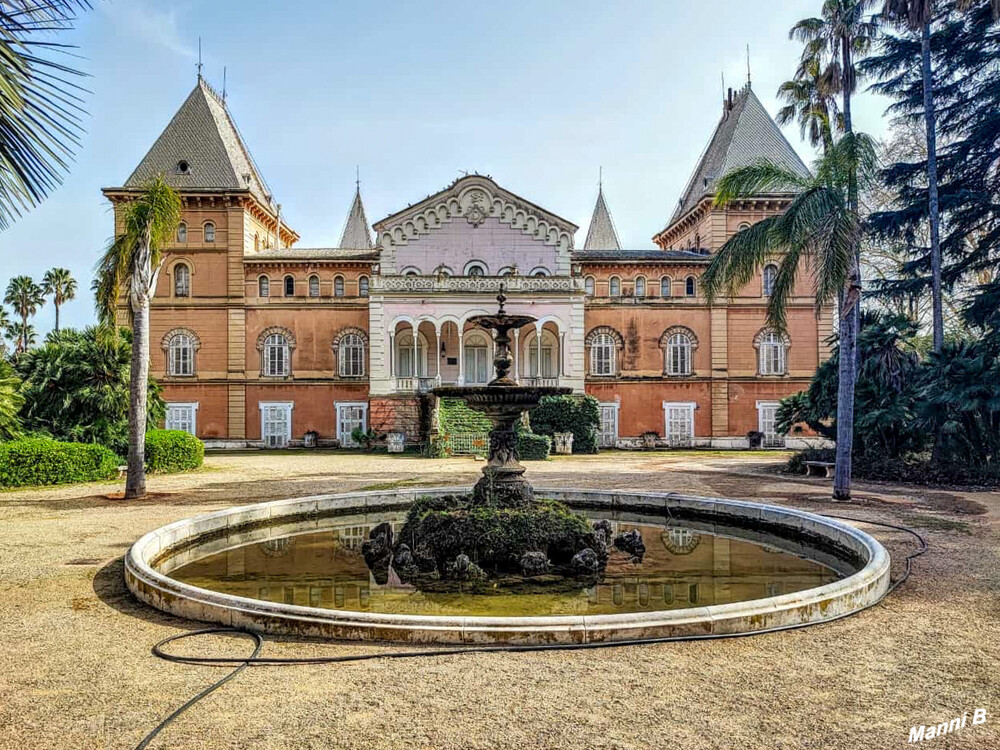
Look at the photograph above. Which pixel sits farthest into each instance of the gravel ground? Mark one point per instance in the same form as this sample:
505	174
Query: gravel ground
76	672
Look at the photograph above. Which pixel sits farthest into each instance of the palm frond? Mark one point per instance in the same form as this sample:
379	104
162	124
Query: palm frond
760	177
736	262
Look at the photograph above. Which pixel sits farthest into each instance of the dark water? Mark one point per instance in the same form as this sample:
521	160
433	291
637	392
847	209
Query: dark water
319	564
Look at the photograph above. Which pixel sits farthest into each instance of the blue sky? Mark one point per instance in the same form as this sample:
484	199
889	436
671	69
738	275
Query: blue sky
537	94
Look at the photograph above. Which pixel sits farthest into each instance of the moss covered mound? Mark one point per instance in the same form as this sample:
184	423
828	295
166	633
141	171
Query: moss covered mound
440	529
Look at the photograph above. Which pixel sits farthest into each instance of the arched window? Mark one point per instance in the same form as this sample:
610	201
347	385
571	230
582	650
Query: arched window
548	366
411	271
406	365
475	268
539	271
678	354
602	354
182	232
182	280
209	232
263	287
256	242
506	271
588	285
338	286
276	355
665	286
742	226
770	353
615	287
289	286
351	356
770	276
477	358
690	287
314	286
363	286
640	286
180	354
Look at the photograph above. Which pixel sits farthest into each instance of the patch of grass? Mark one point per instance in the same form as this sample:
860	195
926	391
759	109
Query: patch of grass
393	485
934	523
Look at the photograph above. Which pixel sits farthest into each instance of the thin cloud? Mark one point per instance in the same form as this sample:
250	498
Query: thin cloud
144	20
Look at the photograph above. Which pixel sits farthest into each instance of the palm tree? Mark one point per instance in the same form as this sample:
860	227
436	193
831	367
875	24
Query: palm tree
59	283
40	106
131	264
25	296
4	328
817	235
22	336
11	401
805	102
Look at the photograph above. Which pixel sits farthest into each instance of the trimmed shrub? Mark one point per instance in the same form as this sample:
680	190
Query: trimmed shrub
172	450
532	447
902	471
36	461
580	415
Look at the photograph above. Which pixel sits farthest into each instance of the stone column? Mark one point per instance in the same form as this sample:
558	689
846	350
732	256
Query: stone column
461	354
562	355
416	339
517	348
392	355
538	350
437	351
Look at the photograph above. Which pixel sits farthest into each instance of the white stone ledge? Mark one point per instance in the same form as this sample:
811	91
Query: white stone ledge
158	589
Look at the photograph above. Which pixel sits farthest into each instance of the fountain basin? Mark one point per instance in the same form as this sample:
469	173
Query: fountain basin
148	562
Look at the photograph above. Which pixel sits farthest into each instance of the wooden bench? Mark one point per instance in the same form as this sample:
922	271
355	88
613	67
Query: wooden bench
122	471
813	468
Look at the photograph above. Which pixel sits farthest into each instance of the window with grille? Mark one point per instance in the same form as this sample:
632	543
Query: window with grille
181	417
679	354
263	287
770	275
182	280
771	353
338	286
615	287
679	425
182	232
352	356
602	355
640	287
181	357
275	424
209	232
665	287
289	286
363	286
276	355
314	286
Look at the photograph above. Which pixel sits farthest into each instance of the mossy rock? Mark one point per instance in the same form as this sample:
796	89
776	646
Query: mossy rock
442	528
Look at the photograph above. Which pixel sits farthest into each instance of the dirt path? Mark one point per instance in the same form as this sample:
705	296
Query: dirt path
75	668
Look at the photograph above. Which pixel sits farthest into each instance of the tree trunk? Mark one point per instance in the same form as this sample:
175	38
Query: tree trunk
57	316
932	188
845	400
135	482
852	189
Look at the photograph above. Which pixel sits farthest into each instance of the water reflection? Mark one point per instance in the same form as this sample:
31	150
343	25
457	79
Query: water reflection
319	564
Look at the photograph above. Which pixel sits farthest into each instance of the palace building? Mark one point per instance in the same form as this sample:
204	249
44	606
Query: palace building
257	341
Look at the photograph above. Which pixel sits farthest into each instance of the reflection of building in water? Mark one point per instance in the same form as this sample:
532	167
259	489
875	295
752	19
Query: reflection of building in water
681	568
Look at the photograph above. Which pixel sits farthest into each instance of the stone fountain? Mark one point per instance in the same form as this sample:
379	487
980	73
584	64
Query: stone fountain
501	532
503	401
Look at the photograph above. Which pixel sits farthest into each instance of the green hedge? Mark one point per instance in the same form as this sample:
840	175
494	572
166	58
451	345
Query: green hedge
172	450
580	415
35	461
454	417
532	447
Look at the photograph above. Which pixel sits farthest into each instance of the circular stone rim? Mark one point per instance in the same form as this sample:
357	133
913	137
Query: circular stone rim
830	601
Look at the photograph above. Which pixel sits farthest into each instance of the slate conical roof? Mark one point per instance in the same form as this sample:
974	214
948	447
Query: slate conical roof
601	235
745	134
356	235
201	149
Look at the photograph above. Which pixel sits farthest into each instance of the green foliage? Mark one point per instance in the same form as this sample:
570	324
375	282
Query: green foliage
76	388
455	416
580	415
11	402
494	538
913	470
37	461
532	447
365	438
169	451
25	296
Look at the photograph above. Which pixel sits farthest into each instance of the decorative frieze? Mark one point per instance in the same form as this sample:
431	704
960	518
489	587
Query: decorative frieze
476	284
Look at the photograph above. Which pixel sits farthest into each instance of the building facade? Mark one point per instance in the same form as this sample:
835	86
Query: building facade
260	342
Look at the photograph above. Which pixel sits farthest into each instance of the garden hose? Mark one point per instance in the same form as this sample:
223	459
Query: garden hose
256	660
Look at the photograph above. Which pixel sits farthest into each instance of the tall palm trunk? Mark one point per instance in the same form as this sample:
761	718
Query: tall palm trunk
932	188
22	342
56	303
141	288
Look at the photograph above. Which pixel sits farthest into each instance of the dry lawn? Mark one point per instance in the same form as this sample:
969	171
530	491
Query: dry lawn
76	671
